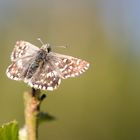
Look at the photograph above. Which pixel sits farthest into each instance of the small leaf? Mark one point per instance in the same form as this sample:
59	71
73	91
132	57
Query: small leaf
44	116
9	131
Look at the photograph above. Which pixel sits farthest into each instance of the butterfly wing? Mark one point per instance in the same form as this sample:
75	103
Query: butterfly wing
17	70
45	78
21	57
67	66
23	49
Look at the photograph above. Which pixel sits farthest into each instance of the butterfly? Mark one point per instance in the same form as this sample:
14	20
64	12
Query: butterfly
41	68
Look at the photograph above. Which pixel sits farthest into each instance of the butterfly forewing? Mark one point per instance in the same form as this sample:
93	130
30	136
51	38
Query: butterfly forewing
22	56
68	66
23	49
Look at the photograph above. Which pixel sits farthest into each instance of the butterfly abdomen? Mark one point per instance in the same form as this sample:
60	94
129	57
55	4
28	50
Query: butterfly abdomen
38	62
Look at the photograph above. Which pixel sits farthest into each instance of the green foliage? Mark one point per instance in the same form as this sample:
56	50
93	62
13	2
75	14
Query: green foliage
9	131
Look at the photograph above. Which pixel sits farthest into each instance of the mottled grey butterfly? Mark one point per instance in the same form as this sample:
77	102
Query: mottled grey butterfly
41	68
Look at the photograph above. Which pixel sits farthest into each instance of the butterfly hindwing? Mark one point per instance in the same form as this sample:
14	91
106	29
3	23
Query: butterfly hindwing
17	70
45	78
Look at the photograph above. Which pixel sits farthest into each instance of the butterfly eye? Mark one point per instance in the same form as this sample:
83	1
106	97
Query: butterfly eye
49	49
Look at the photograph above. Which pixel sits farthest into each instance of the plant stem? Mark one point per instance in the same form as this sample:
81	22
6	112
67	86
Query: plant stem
32	109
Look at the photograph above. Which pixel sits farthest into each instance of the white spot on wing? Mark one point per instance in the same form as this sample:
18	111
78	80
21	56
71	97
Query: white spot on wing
77	74
54	72
50	88
40	86
44	88
49	74
85	68
70	67
57	63
72	75
64	60
87	64
35	86
78	62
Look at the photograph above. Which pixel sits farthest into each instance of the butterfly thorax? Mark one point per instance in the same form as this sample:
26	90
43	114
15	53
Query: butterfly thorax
38	62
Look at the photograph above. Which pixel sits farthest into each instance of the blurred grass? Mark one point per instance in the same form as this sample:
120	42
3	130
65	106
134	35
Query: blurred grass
104	102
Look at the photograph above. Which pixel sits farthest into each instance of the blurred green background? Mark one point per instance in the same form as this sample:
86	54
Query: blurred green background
103	103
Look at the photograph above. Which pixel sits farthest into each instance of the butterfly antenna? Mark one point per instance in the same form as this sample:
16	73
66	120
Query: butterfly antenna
39	39
62	46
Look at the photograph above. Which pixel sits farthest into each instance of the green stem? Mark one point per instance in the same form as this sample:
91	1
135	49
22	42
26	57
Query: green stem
32	109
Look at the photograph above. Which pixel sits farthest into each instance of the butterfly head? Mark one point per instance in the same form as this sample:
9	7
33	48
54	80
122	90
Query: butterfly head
46	47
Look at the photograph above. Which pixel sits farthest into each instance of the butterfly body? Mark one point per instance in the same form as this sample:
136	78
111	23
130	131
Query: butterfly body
41	68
